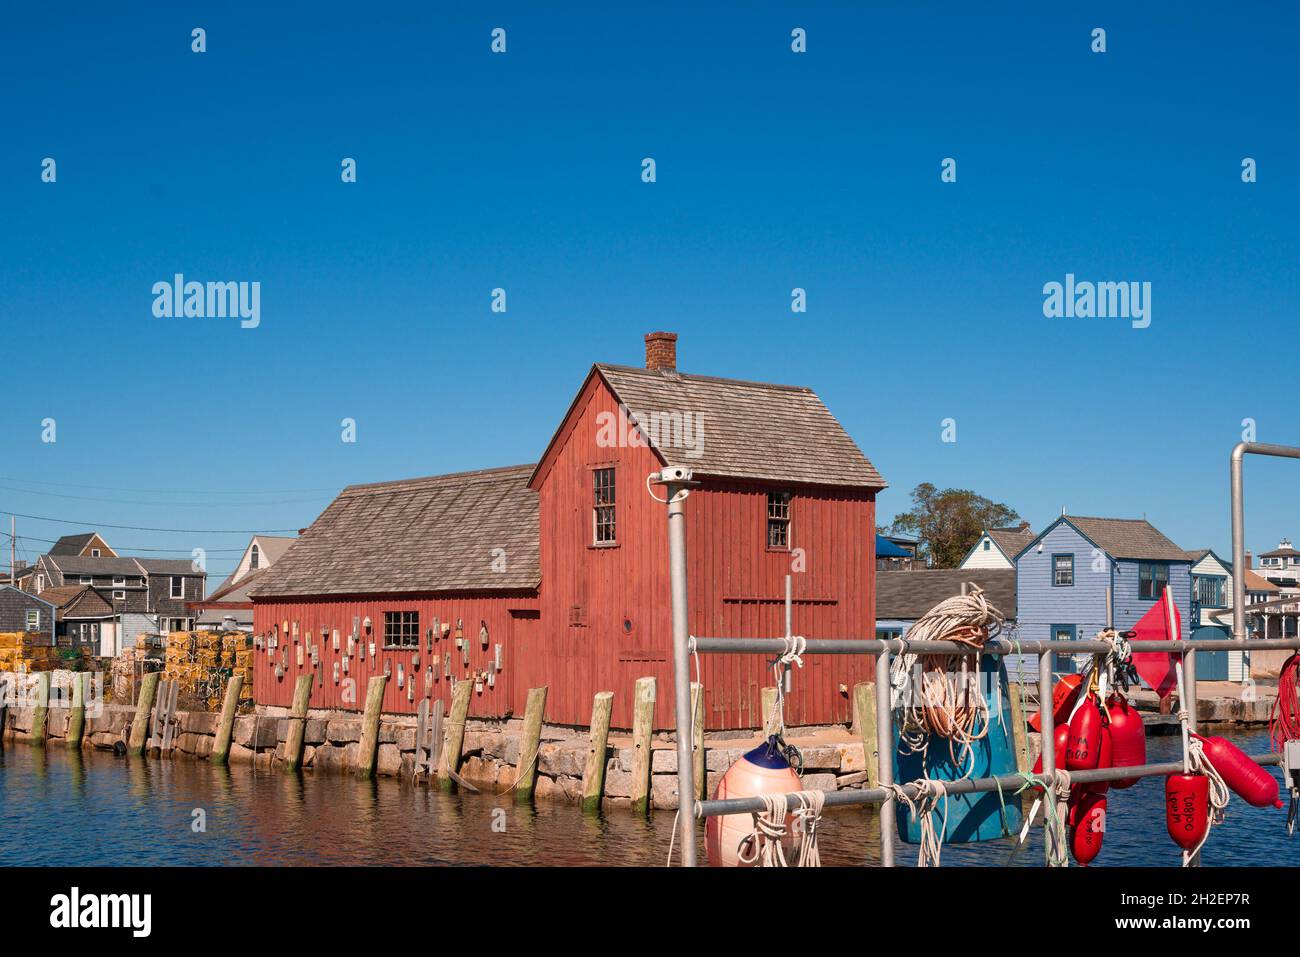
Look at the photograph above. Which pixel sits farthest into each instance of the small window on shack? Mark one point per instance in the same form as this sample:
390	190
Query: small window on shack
33	619
603	495
401	629
778	519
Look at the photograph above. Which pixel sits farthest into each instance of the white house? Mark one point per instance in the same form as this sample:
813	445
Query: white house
998	547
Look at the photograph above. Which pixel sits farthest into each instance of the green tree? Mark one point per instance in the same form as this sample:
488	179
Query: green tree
949	522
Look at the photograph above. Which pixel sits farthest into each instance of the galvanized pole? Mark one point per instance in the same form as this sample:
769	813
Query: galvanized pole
1239	452
681	670
885	758
1047	725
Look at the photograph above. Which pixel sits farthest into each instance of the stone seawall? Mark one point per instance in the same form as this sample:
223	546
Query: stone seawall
833	758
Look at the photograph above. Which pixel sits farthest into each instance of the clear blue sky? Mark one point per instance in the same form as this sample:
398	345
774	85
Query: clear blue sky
522	170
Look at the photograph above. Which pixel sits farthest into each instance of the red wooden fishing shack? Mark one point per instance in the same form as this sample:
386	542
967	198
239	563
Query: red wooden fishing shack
557	573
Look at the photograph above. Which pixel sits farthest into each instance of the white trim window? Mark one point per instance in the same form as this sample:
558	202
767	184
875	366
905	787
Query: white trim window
33	619
119	595
87	579
178	586
119	581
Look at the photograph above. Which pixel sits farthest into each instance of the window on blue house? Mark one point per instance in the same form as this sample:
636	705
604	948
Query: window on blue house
1152	579
986	544
1062	569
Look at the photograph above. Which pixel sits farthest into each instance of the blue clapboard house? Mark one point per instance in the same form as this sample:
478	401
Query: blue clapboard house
1063	573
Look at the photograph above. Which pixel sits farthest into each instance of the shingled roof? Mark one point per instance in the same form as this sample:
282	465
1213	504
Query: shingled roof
1011	540
419	535
750	430
1132	538
907	595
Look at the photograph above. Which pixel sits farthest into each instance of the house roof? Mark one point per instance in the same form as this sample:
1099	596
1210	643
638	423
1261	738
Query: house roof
87	565
60	595
1132	538
439	533
273	547
750	430
1286	551
887	549
238	591
1011	540
89	602
907	595
1254	583
72	544
168	566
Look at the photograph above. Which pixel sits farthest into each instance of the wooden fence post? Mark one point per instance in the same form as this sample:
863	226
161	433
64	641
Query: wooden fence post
77	717
140	725
297	729
41	714
530	744
1019	729
370	725
593	778
450	763
221	747
864	718
769	711
697	722
643	719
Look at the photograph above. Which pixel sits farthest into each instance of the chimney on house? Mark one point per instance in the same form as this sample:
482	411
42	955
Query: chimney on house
1024	526
661	351
1248	558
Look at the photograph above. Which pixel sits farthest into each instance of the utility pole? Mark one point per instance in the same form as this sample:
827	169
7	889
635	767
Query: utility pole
13	532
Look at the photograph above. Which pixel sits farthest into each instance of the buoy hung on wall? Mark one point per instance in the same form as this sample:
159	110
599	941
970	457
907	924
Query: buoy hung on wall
336	672
336	639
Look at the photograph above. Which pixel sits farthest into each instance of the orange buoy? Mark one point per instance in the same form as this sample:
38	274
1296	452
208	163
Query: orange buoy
1128	737
764	770
1064	695
1083	749
1187	808
1062	734
1087	822
1252	783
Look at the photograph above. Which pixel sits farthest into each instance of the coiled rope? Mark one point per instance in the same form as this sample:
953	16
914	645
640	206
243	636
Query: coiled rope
946	700
1199	763
922	808
764	845
795	646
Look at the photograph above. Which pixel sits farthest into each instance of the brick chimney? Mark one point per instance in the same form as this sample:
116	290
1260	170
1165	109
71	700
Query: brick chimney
1248	559
661	350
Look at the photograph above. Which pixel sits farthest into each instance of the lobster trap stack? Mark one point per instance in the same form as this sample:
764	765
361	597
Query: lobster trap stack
203	662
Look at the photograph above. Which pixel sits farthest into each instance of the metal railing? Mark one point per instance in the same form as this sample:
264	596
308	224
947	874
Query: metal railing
678	482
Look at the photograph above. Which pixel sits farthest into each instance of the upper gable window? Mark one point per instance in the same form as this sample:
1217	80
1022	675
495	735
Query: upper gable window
253	557
178	587
94	553
778	519
1152	579
602	511
1062	569
986	544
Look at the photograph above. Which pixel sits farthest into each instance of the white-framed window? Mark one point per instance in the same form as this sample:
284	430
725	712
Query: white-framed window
94	553
178	586
40	584
119	595
119	581
87	579
33	619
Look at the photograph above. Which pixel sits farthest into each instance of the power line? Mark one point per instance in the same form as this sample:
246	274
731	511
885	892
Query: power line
127	501
138	548
146	528
164	491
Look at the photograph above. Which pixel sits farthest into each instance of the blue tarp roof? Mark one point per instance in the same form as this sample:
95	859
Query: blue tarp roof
887	549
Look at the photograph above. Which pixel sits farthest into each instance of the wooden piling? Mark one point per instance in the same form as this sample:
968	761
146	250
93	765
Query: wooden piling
864	719
140	725
530	744
41	715
593	777
450	763
769	711
1019	728
369	725
697	751
221	747
297	730
643	716
77	716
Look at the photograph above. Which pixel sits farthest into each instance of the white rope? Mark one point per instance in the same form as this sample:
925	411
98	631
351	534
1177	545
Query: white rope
922	809
1198	762
807	818
947	700
794	646
763	844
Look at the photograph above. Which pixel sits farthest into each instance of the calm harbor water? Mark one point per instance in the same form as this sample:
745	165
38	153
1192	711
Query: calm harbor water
60	808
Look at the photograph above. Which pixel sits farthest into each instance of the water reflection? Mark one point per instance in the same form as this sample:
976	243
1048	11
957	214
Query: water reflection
58	807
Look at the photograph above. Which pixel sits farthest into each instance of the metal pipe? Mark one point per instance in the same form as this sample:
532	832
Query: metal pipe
1239	452
994	646
1005	783
682	672
1047	724
885	759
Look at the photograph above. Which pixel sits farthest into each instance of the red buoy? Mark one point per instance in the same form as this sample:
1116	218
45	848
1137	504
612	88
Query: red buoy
1128	737
1187	808
1083	749
1252	783
1064	695
1088	826
1105	759
1062	735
